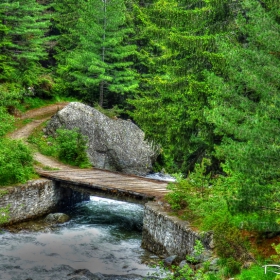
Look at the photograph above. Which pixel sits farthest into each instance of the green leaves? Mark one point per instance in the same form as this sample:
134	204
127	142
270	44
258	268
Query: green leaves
69	146
22	41
211	90
16	162
72	147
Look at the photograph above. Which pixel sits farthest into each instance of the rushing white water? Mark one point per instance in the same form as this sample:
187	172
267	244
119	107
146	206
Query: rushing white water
161	176
102	236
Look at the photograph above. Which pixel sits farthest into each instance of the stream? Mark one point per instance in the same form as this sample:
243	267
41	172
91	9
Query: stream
103	236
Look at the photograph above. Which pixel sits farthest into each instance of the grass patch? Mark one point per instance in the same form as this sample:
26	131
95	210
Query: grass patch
48	168
27	121
30	103
256	273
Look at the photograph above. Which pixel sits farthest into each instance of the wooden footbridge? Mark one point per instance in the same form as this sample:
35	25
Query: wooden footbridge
108	184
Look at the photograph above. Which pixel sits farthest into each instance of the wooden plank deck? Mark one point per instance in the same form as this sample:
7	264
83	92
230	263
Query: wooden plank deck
109	182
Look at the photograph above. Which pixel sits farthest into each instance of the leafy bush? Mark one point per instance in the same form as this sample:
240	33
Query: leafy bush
69	146
72	147
16	162
201	191
46	145
198	191
6	121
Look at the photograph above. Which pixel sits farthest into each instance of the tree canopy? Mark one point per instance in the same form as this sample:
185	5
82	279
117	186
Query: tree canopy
200	77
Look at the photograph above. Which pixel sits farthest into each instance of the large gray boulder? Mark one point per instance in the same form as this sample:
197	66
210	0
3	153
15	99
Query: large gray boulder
114	144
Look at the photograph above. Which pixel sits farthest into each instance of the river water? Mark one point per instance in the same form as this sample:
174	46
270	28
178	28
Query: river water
102	236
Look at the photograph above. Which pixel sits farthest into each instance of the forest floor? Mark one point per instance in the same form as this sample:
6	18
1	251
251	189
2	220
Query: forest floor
29	121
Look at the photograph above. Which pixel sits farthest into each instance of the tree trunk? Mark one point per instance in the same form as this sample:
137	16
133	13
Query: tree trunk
101	93
101	89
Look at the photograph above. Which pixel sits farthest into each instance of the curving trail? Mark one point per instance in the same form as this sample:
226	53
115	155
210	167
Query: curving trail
112	184
39	116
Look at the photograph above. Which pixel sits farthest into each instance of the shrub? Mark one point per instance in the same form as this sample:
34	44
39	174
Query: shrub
69	146
16	162
6	121
72	147
201	191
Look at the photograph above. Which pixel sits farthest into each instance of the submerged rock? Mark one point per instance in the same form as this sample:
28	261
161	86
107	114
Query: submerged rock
57	218
113	144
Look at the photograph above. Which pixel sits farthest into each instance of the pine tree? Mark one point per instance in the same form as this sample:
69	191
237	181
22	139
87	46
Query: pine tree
22	41
246	113
99	66
183	34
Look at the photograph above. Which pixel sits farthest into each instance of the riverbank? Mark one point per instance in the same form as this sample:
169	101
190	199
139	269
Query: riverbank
36	198
101	240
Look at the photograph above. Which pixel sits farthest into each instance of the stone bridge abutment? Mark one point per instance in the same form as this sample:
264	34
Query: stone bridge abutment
162	234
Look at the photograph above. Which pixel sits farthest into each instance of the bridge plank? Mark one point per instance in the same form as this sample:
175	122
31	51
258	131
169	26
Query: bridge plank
107	181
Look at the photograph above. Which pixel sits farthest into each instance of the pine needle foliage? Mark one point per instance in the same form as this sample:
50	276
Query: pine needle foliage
246	114
98	65
214	93
171	108
22	41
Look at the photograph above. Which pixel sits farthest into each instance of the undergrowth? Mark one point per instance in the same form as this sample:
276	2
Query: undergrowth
69	146
29	103
16	162
202	200
4	214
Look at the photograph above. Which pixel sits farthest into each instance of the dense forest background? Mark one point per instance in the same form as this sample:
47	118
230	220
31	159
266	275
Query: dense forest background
200	77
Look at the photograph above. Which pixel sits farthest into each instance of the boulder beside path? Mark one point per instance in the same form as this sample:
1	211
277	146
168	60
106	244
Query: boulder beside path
113	144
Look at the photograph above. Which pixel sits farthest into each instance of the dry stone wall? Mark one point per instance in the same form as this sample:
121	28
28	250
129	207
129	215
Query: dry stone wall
37	198
167	235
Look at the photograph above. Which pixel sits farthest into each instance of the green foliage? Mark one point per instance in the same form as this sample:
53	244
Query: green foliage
72	147
276	258
170	107
214	92
98	62
6	121
22	41
32	103
16	162
4	214
46	145
230	245
114	112
245	112
29	103
186	272
9	100
178	273
200	191
69	146
197	251
255	273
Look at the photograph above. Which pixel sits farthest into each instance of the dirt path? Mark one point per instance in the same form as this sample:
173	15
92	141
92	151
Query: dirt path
39	116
